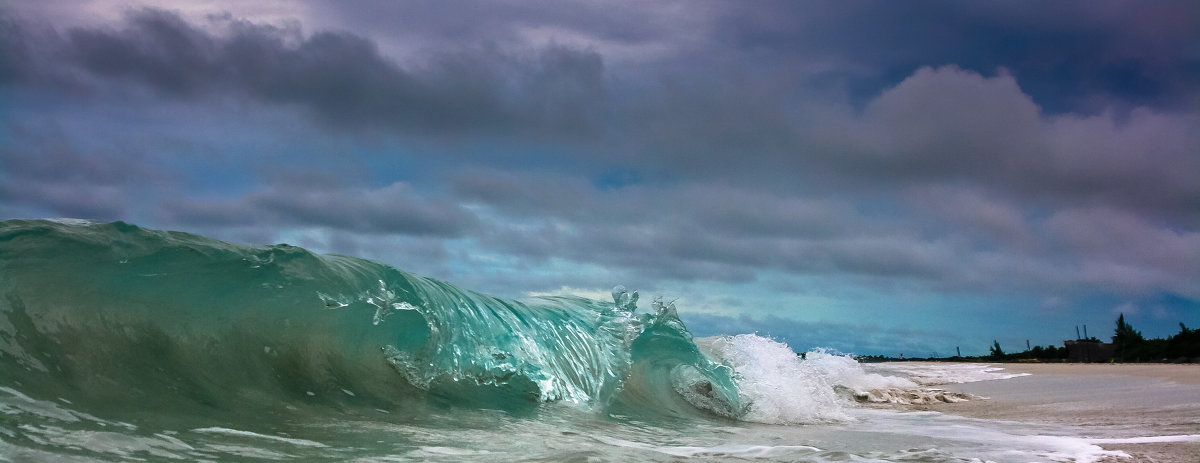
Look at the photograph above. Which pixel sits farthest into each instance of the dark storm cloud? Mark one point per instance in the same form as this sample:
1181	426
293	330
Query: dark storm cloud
722	210
154	47
985	219
393	209
31	56
505	22
914	150
948	126
943	125
1071	54
14	56
936	236
1126	250
43	173
341	78
694	232
935	125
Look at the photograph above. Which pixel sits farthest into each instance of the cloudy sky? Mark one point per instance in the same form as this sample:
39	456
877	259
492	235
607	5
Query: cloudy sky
874	177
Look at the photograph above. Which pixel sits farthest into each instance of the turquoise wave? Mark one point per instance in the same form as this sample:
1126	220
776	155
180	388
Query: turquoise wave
114	315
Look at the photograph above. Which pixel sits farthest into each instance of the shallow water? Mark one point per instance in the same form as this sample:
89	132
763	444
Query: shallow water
1104	405
119	343
46	430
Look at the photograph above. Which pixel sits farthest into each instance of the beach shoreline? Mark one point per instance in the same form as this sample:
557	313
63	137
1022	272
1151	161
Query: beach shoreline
1113	402
1184	373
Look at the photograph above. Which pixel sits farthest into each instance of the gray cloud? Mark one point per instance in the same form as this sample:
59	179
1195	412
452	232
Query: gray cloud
1070	54
986	219
155	47
341	78
972	154
951	126
14	56
939	237
624	29
692	232
1126	251
393	209
43	173
937	125
540	145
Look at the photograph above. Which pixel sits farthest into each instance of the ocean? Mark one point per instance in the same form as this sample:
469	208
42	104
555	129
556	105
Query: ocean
122	343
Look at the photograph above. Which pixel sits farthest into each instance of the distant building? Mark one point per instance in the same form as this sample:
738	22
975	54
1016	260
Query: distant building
1085	351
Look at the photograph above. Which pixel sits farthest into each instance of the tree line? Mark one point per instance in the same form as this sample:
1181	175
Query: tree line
1128	343
1132	347
1128	346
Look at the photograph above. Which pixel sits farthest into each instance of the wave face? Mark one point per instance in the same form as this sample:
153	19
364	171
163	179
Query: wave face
114	314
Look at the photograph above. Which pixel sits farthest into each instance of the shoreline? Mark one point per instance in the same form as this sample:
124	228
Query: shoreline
1184	373
1101	401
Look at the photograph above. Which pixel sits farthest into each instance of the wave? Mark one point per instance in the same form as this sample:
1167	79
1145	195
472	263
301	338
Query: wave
114	315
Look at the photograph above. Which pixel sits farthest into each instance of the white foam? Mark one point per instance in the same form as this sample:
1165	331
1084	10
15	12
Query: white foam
240	433
998	440
14	402
121	445
845	371
933	374
249	452
778	387
1148	439
739	451
847	376
72	222
451	451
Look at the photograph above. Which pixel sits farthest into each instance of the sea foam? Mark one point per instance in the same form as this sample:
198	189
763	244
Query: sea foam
777	385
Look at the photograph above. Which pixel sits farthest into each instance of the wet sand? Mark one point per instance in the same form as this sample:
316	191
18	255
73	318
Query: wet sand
1179	373
1103	401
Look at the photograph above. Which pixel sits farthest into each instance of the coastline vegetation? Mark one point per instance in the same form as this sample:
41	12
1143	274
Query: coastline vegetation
1128	346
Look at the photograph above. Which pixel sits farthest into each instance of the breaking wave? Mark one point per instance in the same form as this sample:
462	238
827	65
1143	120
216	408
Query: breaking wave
113	314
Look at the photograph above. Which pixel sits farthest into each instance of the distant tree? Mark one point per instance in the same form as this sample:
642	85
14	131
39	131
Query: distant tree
1125	332
1185	345
996	351
1126	339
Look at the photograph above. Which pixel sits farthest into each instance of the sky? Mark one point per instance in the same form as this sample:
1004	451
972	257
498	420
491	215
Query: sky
872	177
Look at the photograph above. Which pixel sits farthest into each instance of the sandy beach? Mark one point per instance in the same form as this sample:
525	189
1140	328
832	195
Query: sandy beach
1179	373
1119	402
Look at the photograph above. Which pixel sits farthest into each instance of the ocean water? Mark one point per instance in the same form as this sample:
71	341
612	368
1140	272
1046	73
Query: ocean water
120	343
